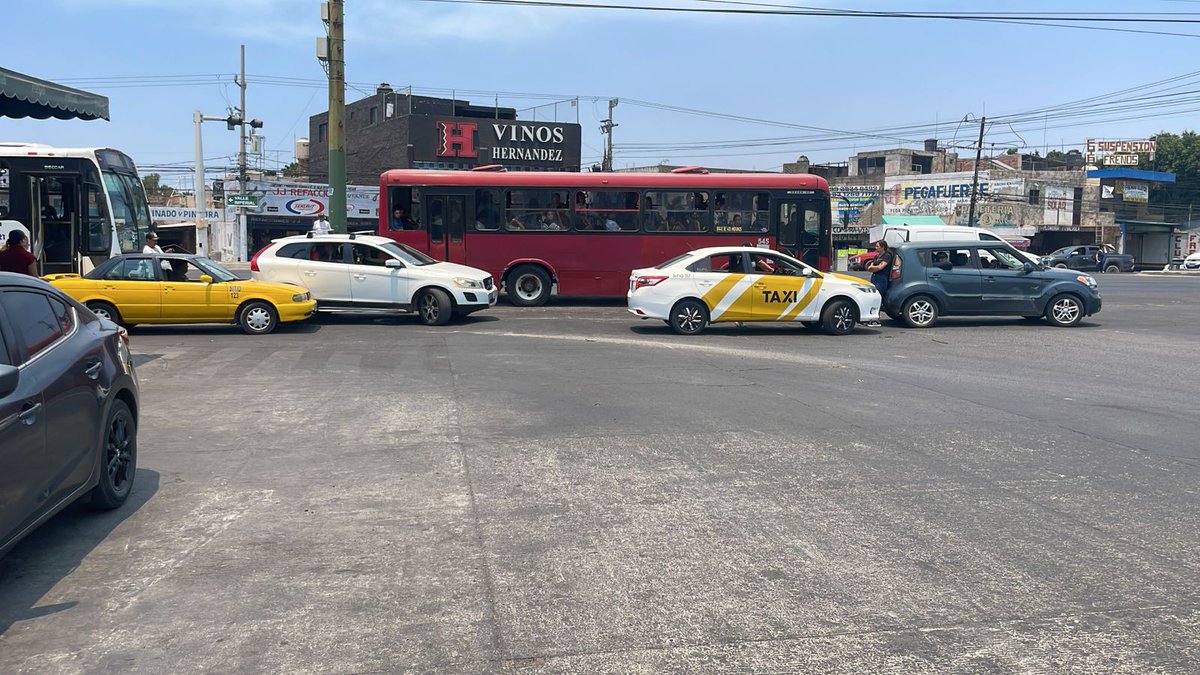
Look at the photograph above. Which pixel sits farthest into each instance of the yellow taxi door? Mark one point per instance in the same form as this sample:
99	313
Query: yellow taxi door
134	288
724	287
781	292
187	299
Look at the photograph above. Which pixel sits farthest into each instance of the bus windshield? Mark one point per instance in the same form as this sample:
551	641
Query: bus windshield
130	213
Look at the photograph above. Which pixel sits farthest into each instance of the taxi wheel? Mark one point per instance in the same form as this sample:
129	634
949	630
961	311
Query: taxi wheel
839	317
528	286
1064	310
689	317
434	308
105	311
257	318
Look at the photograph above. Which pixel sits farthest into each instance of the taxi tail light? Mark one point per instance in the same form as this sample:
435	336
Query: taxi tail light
647	281
254	260
895	275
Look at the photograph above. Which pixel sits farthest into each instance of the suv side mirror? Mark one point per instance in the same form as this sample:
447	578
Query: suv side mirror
393	263
1029	267
205	279
10	377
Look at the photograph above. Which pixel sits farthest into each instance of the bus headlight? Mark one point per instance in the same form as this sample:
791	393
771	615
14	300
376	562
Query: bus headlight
463	282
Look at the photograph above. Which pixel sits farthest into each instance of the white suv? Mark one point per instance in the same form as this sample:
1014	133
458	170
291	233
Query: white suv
348	272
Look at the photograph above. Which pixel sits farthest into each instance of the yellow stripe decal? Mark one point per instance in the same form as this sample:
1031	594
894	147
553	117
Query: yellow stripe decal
714	295
804	301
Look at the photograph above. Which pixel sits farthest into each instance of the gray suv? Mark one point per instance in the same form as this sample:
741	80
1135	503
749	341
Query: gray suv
974	278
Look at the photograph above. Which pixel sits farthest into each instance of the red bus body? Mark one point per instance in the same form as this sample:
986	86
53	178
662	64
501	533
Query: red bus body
472	218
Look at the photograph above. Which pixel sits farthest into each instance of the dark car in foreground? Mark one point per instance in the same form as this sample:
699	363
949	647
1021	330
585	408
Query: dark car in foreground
974	278
68	407
1084	258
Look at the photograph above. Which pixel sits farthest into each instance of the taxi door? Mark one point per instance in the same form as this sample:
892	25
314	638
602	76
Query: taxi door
724	286
781	292
187	299
133	286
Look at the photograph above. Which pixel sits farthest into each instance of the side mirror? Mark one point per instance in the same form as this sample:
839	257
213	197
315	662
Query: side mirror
10	377
205	279
1029	267
393	263
806	271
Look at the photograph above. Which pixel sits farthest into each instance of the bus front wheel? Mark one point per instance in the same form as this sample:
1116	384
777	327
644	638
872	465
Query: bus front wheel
528	286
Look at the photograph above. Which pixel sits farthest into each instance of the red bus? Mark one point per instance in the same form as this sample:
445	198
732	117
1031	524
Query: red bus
582	233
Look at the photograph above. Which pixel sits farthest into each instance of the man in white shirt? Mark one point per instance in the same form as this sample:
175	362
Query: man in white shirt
151	244
321	225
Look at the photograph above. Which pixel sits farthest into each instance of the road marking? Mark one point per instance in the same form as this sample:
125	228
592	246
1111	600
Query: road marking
674	346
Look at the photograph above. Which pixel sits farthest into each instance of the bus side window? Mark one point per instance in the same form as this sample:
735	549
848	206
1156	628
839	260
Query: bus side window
487	211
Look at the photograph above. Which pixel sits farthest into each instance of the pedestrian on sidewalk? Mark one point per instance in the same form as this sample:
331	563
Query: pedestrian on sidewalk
880	268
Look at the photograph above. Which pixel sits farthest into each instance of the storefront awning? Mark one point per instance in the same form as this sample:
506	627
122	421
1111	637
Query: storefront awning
25	96
913	220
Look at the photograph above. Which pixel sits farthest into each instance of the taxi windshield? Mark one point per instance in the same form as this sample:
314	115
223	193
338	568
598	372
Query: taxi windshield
214	270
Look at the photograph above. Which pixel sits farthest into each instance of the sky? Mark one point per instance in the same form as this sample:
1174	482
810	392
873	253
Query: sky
718	90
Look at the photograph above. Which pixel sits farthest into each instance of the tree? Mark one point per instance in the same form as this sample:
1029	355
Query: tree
1178	154
156	192
292	169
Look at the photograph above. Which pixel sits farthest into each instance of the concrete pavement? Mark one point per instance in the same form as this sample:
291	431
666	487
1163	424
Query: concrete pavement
569	489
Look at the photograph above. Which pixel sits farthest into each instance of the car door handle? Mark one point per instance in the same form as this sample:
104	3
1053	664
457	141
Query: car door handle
311	273
760	285
93	371
360	277
935	276
989	278
704	283
28	414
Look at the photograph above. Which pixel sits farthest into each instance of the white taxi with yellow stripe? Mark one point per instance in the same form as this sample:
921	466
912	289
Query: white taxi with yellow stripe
734	284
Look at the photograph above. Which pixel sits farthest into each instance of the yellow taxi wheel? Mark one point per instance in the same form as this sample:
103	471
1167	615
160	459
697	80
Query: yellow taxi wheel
257	318
104	311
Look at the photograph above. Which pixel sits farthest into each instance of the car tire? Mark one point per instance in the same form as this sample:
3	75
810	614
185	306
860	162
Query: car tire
1110	269
257	318
689	317
839	317
528	286
105	311
434	307
118	458
920	311
1064	310
1061	266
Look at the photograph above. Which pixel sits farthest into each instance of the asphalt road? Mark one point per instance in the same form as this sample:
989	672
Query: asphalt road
569	489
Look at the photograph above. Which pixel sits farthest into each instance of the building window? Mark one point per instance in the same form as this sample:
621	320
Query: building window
871	166
1035	196
323	132
374	114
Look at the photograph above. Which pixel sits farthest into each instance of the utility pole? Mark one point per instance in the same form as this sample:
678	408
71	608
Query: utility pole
606	128
975	179
241	235
206	239
337	112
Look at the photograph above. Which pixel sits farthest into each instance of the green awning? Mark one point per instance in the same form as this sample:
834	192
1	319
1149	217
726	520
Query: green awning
25	96
913	220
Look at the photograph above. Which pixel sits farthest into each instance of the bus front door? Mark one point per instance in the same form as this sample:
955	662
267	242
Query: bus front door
804	231
55	221
446	221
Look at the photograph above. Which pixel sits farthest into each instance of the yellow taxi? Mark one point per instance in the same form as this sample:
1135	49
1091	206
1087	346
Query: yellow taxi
166	289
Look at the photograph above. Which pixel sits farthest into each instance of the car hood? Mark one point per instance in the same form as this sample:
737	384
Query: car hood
847	278
455	270
249	285
1056	273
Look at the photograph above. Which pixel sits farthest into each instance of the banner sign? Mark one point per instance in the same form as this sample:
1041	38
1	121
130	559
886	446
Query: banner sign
1118	153
178	213
305	199
937	194
848	203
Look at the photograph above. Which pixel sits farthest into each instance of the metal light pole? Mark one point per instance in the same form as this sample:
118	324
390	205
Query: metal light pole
201	212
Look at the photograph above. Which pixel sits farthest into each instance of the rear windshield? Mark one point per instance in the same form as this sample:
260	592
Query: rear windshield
670	262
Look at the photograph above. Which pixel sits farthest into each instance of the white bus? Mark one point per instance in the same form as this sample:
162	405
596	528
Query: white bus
80	206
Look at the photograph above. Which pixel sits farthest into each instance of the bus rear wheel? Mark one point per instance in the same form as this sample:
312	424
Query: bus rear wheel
528	286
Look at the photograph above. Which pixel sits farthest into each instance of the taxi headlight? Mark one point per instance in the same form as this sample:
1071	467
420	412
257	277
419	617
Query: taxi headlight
463	282
300	297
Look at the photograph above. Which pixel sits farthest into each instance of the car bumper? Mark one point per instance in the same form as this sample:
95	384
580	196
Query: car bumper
646	306
296	311
1092	305
470	301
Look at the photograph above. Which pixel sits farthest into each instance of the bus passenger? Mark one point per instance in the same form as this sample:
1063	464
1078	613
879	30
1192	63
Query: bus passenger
549	222
401	221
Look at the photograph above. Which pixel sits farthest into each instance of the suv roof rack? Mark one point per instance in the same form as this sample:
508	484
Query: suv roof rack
309	235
